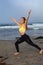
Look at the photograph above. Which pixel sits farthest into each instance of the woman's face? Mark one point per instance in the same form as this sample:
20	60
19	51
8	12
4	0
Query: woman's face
22	20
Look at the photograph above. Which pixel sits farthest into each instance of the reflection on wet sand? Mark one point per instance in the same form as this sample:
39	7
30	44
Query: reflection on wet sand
2	59
4	64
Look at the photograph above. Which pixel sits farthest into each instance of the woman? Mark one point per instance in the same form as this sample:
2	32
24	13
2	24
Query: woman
24	37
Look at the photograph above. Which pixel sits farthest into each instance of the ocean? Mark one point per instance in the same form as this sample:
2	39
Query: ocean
11	32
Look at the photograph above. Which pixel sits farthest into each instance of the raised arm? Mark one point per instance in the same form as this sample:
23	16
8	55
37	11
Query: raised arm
13	19
28	15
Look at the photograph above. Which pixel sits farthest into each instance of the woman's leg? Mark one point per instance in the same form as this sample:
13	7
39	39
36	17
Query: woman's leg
20	40
28	40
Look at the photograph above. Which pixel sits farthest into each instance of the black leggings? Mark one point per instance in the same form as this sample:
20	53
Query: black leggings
27	39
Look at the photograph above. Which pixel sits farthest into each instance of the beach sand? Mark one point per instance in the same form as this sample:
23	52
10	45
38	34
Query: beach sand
28	54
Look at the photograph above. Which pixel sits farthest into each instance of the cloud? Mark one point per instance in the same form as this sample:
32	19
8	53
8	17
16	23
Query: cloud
19	8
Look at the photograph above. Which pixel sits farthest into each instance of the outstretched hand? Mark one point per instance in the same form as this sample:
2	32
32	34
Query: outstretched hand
13	19
29	11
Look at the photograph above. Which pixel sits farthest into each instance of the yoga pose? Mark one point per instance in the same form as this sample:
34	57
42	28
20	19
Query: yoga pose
24	37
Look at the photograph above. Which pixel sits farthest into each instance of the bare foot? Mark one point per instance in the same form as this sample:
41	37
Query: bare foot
16	53
41	51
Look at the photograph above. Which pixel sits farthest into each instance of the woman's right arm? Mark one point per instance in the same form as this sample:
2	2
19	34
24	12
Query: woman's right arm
13	19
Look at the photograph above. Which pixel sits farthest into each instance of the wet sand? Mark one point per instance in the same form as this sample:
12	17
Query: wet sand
28	54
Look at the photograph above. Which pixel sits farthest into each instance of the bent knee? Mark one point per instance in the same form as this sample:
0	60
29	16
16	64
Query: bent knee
16	43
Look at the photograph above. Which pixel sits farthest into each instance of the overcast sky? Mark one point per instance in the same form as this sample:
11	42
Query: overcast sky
19	8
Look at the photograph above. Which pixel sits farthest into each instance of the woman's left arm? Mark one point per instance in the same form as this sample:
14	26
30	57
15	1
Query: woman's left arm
28	15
